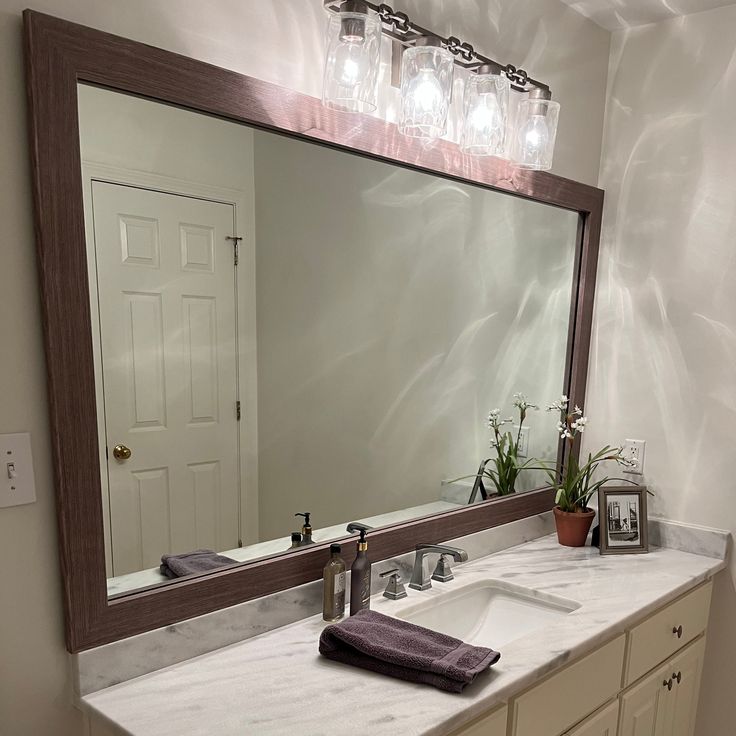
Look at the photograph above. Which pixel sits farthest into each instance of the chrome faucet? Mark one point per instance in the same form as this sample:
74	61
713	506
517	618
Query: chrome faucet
418	581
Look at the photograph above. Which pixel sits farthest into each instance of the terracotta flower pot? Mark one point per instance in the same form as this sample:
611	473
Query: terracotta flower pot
572	529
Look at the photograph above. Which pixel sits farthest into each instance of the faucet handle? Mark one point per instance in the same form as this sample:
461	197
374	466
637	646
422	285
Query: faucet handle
443	573
395	589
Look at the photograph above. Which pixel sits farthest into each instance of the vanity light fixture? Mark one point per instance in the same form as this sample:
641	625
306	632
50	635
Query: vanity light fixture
486	112
353	58
536	131
426	87
427	67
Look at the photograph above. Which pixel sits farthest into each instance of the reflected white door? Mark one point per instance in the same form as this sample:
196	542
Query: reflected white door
167	305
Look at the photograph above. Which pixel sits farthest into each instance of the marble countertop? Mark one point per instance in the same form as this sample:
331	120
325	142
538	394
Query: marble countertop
277	683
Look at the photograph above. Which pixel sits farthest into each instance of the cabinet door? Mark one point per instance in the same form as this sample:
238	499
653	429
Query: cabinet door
602	723
685	671
644	707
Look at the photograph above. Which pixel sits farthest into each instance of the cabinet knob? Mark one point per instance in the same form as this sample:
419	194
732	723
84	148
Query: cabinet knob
678	631
677	677
667	684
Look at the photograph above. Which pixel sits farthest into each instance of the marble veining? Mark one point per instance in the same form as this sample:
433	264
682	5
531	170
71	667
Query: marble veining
248	687
123	660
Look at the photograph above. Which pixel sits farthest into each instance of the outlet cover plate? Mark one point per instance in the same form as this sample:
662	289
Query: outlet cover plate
523	441
635	449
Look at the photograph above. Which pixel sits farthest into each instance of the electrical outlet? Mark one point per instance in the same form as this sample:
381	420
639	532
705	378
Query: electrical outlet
523	441
634	449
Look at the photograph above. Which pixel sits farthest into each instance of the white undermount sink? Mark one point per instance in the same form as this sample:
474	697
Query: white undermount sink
489	613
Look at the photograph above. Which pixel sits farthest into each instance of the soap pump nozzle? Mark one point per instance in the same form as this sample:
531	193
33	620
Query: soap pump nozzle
362	542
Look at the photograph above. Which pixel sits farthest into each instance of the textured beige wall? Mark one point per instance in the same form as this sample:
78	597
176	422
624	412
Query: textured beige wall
395	309
664	352
279	41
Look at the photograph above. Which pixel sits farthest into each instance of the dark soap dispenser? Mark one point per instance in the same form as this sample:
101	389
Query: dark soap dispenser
306	529
360	578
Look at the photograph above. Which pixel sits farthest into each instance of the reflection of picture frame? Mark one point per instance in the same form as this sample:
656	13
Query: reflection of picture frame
623	519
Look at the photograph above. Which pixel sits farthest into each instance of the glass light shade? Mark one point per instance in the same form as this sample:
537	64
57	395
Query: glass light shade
352	61
426	88
536	131
486	115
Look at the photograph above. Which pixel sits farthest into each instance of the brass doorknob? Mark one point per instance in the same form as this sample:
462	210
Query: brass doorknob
121	452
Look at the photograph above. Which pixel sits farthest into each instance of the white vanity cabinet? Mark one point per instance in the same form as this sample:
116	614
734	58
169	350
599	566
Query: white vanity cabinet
643	683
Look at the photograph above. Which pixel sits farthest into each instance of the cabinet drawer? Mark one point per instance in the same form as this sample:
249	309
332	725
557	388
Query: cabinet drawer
653	641
491	724
566	698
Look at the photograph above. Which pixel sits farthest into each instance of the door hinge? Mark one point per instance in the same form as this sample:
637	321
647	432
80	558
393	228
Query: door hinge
236	243
237	410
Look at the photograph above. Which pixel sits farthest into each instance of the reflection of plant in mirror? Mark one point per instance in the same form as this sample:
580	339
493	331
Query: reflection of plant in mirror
575	486
506	467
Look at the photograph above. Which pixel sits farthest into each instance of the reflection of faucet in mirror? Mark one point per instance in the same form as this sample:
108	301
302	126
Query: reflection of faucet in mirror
478	485
306	530
356	526
442	573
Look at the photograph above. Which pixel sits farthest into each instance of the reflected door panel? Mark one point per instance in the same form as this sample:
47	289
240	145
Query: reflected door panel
167	308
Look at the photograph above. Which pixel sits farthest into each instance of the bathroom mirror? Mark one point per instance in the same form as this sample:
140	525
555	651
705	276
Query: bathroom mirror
386	296
340	360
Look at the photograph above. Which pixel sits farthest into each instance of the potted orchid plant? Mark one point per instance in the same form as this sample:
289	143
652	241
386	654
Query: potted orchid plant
575	484
503	470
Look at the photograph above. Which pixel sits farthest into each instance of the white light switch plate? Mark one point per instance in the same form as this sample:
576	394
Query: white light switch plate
17	484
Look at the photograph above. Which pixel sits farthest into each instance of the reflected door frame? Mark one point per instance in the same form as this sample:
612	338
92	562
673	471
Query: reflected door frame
242	202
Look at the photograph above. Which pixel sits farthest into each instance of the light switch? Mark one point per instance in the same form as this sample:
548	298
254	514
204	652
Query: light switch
17	484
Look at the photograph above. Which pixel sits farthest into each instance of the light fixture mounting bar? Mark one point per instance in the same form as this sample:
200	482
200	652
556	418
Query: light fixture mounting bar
400	27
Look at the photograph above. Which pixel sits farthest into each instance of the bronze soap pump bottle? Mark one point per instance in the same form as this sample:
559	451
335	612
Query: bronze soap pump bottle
306	529
360	578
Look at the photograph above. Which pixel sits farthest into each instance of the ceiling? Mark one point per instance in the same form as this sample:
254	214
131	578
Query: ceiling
616	14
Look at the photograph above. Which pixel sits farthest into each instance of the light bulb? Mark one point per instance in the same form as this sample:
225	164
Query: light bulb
485	115
351	65
535	137
426	93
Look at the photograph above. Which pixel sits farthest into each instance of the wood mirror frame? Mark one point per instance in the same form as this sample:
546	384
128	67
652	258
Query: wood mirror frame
59	55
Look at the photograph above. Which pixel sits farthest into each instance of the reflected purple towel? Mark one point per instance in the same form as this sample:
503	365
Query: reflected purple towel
191	563
400	649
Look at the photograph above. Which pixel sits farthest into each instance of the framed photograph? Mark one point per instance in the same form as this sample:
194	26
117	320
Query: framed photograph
623	519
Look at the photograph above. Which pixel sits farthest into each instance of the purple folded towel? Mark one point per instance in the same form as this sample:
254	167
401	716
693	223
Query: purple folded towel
192	563
400	649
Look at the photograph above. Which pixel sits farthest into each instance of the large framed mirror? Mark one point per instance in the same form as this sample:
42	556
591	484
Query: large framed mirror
256	309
